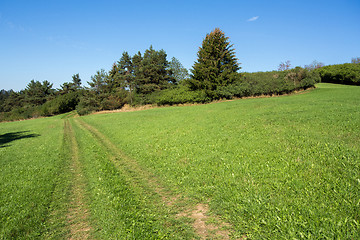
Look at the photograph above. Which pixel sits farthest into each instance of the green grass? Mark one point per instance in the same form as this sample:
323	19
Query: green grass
283	167
120	209
31	163
274	168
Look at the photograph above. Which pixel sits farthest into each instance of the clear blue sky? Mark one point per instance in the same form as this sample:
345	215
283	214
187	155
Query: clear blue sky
52	40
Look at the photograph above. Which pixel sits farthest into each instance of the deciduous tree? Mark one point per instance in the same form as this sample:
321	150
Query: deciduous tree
314	65
178	71
355	60
284	66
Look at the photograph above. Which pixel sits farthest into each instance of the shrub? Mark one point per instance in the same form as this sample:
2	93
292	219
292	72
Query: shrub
181	95
347	73
269	83
60	104
113	101
87	104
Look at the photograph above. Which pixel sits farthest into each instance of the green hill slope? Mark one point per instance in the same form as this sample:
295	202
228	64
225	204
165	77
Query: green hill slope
262	168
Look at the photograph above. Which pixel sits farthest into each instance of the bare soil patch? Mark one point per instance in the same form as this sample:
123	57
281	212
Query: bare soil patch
207	227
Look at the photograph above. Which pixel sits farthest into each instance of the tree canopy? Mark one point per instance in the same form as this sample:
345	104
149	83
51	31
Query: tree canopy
216	64
178	71
152	73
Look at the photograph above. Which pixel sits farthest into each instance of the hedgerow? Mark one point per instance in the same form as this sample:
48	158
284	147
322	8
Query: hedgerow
347	73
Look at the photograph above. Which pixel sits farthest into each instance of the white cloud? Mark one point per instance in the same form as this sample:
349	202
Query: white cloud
253	19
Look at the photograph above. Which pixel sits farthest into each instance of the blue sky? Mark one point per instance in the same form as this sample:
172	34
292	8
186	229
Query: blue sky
52	40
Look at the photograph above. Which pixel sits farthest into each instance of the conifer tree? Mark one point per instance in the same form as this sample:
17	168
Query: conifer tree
73	86
113	77
216	64
126	75
153	73
137	65
98	82
126	71
76	81
37	92
121	74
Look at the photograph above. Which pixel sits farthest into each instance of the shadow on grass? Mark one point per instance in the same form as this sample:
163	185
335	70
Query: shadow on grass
12	136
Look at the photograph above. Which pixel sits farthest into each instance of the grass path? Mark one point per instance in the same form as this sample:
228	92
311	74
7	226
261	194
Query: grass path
78	215
177	205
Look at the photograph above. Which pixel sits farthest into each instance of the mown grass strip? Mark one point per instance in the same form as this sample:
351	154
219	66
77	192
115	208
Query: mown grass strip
131	168
78	213
145	182
120	207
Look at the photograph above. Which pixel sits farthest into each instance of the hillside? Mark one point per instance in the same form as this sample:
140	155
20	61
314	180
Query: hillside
262	168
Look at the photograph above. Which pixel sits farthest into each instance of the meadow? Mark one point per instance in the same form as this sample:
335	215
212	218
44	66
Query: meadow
284	167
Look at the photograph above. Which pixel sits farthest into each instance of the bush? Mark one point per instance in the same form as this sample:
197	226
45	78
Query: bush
21	113
92	101
250	84
83	109
269	83
88	103
60	104
347	73
181	95
113	101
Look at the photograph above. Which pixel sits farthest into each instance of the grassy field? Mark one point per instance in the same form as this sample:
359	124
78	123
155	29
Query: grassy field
266	168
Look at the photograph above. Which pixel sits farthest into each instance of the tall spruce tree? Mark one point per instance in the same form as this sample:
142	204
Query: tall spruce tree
216	64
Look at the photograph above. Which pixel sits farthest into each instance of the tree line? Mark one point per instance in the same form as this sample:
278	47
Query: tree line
150	78
130	80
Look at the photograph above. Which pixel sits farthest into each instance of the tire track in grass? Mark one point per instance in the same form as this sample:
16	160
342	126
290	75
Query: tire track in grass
78	213
146	181
132	169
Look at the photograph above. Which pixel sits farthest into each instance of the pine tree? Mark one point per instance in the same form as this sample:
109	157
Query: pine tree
76	81
73	86
216	64
121	74
37	92
98	82
126	71
152	74
126	76
137	65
